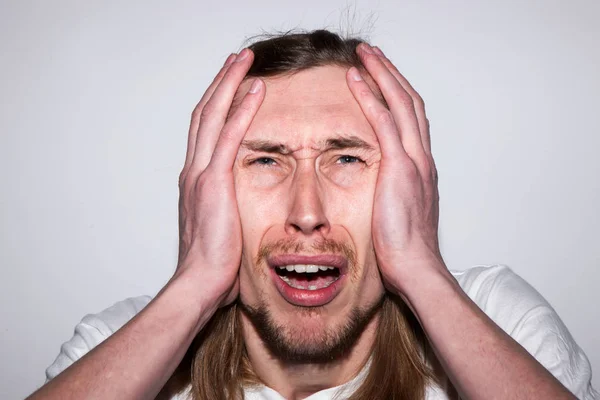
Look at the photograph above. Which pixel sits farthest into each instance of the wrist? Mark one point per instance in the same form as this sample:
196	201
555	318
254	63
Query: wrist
424	280
188	293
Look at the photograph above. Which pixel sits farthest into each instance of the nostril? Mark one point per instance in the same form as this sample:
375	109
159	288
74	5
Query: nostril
296	227
307	229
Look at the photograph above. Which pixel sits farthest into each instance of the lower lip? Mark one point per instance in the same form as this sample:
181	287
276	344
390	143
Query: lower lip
307	298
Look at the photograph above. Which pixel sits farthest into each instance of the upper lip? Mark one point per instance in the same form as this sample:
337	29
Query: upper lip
330	260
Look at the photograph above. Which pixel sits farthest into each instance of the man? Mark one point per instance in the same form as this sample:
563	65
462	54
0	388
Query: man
309	263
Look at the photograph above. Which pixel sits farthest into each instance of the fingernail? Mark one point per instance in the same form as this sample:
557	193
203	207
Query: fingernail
378	51
230	59
354	74
366	48
243	55
255	88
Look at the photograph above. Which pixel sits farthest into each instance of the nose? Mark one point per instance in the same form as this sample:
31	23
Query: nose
307	214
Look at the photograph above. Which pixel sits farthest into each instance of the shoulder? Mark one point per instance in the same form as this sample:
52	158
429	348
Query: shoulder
523	313
500	293
113	318
93	329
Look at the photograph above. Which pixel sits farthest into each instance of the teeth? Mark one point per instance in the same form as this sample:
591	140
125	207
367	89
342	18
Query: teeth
305	268
312	268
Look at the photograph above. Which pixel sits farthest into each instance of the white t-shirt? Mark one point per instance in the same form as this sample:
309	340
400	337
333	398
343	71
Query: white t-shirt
506	298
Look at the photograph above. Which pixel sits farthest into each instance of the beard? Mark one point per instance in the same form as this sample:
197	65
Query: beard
295	345
298	344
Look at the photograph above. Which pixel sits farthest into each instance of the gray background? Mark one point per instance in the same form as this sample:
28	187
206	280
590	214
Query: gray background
96	99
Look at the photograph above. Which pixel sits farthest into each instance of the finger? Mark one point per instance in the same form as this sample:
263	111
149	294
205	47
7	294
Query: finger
424	127
380	118
195	122
400	102
236	127
417	100
214	113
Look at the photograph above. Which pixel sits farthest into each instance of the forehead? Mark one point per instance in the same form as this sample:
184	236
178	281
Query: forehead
309	107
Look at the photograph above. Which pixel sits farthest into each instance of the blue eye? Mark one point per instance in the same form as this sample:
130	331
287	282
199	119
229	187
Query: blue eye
263	161
349	159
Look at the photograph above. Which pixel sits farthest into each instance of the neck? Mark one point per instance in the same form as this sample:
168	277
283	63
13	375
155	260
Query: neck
300	380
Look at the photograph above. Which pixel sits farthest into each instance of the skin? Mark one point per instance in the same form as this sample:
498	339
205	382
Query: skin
216	238
305	195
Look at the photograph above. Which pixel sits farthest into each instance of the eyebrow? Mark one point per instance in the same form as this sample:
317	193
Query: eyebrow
266	146
339	143
349	142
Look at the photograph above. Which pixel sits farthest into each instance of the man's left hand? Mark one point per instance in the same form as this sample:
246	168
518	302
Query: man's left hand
406	203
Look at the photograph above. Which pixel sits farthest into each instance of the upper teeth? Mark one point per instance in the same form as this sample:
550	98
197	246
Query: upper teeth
305	268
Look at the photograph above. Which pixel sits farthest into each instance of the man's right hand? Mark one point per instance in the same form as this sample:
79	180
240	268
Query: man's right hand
210	238
141	356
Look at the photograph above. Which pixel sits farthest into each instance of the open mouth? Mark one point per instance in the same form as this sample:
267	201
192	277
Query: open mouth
308	280
308	276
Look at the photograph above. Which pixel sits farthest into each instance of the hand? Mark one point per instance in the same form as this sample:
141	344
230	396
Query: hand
210	235
406	203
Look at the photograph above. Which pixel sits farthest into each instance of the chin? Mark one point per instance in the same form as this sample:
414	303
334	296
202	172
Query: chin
308	335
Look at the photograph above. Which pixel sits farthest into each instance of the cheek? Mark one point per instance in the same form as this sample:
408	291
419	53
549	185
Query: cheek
350	198
260	209
259	212
264	178
352	177
352	209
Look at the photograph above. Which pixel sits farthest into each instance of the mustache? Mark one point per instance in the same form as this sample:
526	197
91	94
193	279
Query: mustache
319	246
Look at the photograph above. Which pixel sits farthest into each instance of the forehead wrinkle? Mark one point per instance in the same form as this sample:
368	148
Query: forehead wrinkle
337	142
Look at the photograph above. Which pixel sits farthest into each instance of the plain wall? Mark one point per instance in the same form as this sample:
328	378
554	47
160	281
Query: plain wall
96	100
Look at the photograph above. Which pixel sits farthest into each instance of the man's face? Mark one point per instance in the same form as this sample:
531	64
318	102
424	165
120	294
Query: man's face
305	179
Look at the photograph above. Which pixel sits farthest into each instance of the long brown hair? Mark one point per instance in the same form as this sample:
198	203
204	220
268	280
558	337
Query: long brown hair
217	365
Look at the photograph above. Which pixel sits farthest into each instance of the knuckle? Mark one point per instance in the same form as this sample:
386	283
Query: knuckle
196	112
221	74
246	107
187	185
406	100
181	179
365	92
208	110
193	181
428	177
385	117
411	171
209	180
418	100
200	184
228	133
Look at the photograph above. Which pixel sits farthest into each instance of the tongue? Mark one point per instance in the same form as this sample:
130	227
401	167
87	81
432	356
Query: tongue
309	281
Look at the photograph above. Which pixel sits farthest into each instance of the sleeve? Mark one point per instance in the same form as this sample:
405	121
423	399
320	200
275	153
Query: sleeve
527	317
93	330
